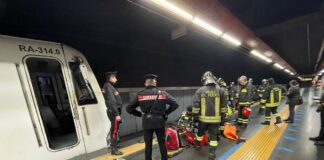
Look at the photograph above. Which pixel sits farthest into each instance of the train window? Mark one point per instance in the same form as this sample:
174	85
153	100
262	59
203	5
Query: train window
82	86
53	102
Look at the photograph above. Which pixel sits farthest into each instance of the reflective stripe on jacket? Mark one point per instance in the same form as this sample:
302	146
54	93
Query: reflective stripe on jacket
209	102
272	95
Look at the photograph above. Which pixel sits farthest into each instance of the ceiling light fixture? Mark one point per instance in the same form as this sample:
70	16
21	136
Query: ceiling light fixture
278	66
174	9
261	56
197	21
206	26
231	39
287	70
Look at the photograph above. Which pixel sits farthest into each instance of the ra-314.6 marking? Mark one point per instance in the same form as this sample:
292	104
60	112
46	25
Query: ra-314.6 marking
41	50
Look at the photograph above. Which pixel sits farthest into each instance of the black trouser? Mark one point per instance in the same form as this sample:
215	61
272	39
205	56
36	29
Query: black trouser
268	112
262	106
241	118
223	121
113	130
291	111
148	138
321	134
213	131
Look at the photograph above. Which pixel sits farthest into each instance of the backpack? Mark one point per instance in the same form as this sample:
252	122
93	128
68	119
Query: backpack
190	138
173	140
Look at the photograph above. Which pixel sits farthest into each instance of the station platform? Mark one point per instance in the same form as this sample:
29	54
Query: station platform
277	142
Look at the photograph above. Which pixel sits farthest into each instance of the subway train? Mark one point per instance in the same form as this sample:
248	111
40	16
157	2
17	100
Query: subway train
58	110
51	104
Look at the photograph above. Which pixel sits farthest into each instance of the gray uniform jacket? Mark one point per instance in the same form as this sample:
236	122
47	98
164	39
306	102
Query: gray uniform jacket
293	94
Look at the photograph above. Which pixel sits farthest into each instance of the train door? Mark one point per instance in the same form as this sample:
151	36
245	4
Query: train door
56	111
91	105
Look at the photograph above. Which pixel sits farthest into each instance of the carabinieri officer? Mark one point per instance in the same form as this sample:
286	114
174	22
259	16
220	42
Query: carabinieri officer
152	102
114	106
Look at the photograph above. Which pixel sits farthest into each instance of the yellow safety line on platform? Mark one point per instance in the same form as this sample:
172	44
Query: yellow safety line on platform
261	145
127	151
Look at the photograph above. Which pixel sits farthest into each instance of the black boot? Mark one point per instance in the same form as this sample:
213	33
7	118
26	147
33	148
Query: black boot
265	123
212	153
319	143
314	138
321	134
115	151
278	120
261	111
318	138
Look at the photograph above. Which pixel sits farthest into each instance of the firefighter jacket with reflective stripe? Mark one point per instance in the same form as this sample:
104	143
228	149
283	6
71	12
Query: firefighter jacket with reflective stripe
209	102
185	119
272	95
261	90
244	94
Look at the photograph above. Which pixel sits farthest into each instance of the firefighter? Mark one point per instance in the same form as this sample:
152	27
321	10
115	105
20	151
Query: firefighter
114	105
271	98
209	105
152	102
186	118
264	84
244	99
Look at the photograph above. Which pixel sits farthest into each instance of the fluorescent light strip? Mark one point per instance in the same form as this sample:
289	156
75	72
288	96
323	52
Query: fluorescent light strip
261	56
201	23
232	40
206	26
278	66
286	70
174	9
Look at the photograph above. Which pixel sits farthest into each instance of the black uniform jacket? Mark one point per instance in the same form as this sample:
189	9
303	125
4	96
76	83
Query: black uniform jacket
112	98
145	100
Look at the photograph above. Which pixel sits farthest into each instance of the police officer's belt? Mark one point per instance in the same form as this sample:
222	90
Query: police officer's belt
155	116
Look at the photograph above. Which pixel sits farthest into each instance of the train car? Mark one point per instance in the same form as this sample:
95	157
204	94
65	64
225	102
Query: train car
51	104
